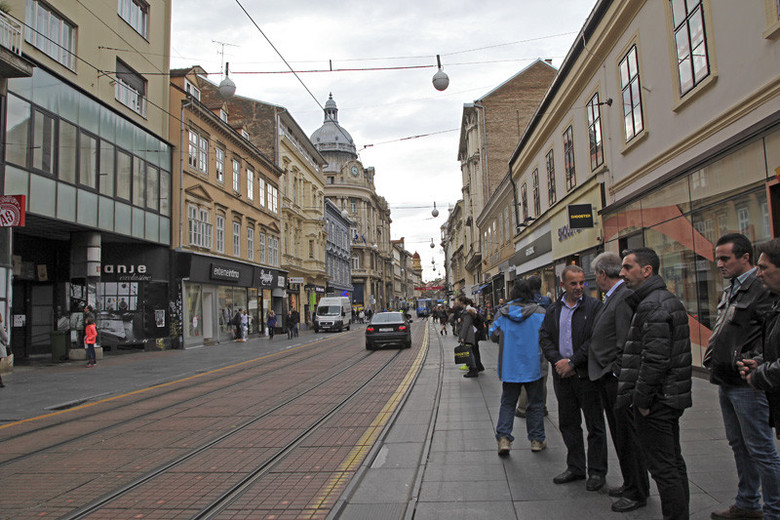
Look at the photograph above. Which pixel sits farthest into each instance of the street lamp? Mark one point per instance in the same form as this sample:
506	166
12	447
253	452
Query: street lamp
432	244
226	87
435	211
440	80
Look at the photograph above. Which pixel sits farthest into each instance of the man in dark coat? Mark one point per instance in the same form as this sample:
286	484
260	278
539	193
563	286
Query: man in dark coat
610	330
737	335
564	338
655	376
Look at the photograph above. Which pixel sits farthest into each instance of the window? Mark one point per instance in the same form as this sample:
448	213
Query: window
67	144
594	132
329	180
691	43
250	242
236	176
198	153
260	191
139	183
135	13
261	247
44	137
632	94
50	33
199	226
352	205
568	159
537	198
524	200
743	220
107	170
219	158
311	248
124	174
273	195
250	184
355	262
220	233
244	134
191	89
551	197
88	160
273	251
153	189
223	115
130	88
236	238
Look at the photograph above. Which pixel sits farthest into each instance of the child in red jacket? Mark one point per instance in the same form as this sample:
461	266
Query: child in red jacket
90	337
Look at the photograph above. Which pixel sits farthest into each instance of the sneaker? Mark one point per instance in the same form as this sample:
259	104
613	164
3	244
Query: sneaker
504	445
89	365
463	367
736	512
538	445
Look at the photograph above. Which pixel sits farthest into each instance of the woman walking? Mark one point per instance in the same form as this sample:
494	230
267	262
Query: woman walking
3	345
271	322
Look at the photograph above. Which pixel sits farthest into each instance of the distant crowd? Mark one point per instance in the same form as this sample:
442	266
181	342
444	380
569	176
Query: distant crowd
624	361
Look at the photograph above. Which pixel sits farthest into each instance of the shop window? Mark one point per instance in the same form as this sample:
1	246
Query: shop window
729	175
594	132
631	89
195	317
51	33
690	42
568	159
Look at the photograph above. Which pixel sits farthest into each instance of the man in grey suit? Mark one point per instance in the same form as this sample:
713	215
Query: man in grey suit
610	329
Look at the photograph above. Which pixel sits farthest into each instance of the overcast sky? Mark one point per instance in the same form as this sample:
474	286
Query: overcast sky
481	44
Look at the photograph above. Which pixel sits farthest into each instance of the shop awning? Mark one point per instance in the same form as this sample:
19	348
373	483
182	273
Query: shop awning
479	288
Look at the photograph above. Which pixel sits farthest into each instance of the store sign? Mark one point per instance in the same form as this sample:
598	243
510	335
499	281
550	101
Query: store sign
227	274
127	273
266	277
280	281
580	216
12	210
566	232
296	279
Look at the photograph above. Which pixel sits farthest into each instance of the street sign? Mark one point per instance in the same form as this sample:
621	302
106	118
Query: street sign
12	210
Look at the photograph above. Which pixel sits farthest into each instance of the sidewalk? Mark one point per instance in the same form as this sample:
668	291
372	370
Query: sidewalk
451	470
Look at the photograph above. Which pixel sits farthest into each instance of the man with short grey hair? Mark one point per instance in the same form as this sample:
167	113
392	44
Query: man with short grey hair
610	329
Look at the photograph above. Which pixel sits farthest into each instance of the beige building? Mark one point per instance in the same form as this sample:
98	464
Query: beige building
302	197
663	126
87	145
226	214
350	186
490	129
452	241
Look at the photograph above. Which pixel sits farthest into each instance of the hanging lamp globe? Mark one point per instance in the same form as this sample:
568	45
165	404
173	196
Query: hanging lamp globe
440	80
226	87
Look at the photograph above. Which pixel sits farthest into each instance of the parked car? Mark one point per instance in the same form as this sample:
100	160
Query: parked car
389	328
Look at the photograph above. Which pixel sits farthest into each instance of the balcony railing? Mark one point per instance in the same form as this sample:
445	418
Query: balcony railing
11	36
130	97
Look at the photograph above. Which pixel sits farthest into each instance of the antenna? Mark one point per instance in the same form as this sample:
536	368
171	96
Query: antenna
222	53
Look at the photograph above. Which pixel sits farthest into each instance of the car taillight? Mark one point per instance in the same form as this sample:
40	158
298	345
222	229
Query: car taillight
369	329
402	327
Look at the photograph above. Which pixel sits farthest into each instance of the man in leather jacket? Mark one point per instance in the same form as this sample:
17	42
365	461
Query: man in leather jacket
737	335
655	376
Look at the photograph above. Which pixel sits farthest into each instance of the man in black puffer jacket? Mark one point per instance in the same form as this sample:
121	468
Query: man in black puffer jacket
655	376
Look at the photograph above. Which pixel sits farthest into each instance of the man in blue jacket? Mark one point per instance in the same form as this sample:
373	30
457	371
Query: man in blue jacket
565	338
516	330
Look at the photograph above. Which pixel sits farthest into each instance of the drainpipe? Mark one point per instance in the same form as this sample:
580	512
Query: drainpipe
184	105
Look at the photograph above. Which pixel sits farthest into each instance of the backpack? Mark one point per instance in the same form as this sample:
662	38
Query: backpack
479	324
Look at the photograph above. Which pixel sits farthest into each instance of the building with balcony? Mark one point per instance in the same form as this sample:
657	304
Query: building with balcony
226	214
86	137
661	129
338	253
350	186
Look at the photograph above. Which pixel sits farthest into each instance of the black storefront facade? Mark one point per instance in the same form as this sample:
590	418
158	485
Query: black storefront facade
213	289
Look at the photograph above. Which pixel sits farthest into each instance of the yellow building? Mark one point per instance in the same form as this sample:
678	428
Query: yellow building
226	214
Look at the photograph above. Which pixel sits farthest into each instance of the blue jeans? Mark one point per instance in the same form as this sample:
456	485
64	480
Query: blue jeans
534	413
746	418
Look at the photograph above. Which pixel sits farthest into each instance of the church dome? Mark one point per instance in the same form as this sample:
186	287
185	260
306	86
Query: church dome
331	137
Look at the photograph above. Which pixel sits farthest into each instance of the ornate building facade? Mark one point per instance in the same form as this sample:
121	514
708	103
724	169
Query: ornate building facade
350	186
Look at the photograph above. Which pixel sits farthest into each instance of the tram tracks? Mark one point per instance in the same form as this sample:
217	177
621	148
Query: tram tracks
356	371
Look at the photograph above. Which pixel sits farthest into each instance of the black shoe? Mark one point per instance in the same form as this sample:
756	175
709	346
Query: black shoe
595	482
567	476
545	411
471	373
625	505
616	492
481	369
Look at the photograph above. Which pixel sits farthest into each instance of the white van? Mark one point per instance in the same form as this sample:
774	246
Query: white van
333	313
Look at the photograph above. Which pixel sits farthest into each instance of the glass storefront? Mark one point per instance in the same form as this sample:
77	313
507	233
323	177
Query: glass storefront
683	220
194	323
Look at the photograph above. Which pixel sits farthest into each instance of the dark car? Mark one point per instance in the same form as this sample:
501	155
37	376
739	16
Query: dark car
389	328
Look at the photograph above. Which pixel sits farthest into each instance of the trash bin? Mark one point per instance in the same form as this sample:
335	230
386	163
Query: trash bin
59	345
